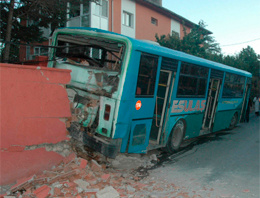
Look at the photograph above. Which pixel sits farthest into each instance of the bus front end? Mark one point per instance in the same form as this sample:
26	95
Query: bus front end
95	60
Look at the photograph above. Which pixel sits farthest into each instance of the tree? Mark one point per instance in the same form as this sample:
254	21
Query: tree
37	13
201	44
248	60
198	42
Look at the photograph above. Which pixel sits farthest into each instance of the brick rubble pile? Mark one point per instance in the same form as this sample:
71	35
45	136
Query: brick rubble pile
80	178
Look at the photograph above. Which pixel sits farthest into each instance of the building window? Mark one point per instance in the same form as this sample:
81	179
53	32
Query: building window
154	21
175	34
127	19
37	51
40	51
28	52
101	8
104	8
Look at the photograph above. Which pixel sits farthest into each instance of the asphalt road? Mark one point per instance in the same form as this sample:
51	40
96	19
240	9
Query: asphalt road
224	165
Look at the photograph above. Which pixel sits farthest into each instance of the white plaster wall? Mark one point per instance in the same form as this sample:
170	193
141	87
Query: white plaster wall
128	6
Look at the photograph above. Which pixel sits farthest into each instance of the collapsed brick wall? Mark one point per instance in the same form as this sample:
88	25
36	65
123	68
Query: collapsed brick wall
34	106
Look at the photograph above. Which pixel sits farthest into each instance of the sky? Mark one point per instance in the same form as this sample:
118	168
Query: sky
235	24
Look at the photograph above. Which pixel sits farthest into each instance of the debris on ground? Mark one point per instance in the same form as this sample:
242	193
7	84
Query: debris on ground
87	174
81	178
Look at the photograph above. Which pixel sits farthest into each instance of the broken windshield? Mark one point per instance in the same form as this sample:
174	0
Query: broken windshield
89	51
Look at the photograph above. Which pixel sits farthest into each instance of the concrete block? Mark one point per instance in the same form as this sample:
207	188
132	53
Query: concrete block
108	192
82	184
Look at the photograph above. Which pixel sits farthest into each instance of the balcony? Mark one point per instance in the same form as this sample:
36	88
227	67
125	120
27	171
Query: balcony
79	21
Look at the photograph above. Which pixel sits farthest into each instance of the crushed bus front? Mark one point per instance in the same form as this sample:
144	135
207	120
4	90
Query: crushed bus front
96	66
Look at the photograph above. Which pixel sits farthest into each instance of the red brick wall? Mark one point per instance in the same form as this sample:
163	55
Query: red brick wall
33	106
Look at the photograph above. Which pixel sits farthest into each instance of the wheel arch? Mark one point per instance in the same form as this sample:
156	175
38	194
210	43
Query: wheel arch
169	147
235	115
169	131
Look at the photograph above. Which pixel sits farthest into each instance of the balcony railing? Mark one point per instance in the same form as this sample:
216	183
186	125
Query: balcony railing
79	21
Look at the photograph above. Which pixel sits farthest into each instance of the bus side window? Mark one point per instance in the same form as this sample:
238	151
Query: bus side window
192	81
147	75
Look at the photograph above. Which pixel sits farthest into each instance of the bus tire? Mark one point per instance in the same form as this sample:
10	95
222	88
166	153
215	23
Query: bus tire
233	122
176	137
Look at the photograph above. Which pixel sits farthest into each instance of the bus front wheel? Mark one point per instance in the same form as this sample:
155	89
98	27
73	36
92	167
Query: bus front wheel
176	137
233	122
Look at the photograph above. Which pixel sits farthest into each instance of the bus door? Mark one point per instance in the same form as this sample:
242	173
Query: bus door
212	102
160	105
245	103
145	99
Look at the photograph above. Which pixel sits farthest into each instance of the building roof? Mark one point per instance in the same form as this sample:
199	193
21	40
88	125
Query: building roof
170	14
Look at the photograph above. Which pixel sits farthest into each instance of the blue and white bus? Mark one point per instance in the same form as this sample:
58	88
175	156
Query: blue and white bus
132	96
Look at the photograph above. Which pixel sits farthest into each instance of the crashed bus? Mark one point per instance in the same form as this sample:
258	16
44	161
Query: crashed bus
130	95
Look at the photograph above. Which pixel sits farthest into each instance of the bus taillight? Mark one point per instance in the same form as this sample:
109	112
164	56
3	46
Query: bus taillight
107	112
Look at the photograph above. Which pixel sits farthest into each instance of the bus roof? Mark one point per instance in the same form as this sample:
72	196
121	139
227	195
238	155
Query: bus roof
151	47
182	56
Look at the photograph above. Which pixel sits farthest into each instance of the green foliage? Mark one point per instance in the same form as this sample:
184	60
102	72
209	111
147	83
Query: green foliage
30	17
247	60
200	44
197	42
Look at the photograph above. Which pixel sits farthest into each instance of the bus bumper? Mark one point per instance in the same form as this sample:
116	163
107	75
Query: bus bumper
108	149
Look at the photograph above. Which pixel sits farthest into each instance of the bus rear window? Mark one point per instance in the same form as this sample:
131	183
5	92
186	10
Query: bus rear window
147	75
81	50
192	81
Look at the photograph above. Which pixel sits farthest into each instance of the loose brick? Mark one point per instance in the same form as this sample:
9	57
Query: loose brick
140	186
42	192
23	183
90	194
95	166
70	158
105	177
67	169
83	163
68	184
57	192
83	173
68	194
63	176
58	169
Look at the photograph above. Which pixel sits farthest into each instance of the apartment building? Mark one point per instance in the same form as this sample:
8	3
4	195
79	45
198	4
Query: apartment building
141	19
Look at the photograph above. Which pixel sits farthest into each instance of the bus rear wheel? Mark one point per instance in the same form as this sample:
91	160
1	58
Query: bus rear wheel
176	137
233	122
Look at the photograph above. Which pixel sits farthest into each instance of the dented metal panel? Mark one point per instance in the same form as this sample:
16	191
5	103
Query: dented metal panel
96	68
105	125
